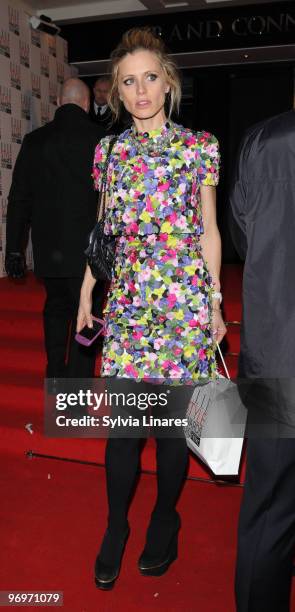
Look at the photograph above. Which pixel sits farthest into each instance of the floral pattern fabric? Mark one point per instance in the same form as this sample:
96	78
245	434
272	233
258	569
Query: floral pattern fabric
158	311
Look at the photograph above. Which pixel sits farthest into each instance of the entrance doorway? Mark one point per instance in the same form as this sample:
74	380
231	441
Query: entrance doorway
226	100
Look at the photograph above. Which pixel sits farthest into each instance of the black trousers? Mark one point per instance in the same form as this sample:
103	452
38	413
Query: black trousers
266	536
66	358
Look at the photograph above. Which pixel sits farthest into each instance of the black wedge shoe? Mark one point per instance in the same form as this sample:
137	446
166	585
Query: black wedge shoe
152	562
108	562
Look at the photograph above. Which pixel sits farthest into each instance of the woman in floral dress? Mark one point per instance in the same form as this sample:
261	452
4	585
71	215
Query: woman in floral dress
163	308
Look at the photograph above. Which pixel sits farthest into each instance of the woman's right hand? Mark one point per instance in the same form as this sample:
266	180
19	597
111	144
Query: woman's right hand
85	306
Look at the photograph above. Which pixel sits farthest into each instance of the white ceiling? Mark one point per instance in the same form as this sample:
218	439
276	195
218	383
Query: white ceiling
70	11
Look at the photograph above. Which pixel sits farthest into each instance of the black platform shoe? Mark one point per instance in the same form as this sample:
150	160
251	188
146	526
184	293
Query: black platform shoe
108	562
158	554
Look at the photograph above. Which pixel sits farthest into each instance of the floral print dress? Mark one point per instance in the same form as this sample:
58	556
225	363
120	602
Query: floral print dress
158	311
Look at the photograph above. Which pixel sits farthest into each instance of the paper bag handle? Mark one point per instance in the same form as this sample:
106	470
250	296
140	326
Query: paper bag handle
223	362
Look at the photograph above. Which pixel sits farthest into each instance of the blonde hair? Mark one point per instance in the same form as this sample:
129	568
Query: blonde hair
144	39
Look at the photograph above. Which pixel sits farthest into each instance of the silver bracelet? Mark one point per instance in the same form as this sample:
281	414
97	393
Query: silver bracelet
216	295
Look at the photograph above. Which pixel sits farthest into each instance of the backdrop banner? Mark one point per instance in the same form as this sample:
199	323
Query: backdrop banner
33	65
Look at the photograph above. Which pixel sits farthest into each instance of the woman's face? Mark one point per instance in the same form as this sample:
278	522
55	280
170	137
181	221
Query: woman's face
142	84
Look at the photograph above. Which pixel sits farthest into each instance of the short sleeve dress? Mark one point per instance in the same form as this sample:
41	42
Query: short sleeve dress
158	310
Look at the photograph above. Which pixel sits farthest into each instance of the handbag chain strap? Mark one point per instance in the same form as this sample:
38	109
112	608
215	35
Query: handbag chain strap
101	205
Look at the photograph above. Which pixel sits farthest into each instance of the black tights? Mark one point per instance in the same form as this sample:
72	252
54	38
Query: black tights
122	460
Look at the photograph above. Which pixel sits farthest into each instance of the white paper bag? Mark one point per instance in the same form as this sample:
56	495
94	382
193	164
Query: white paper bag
216	421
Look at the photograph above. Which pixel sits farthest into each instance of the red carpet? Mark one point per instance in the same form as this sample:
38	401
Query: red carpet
54	511
22	364
54	515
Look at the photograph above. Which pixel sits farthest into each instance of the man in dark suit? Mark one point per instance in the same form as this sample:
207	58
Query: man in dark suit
263	209
52	190
101	113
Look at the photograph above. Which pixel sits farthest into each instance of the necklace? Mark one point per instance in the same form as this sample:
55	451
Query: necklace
154	143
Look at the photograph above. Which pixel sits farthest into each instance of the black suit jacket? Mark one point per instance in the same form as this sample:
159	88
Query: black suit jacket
106	123
52	189
263	207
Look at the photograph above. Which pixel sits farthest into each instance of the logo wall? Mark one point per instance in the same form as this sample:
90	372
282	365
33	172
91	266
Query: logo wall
24	53
5	99
52	93
4	43
32	68
15	75
45	64
65	52
45	113
25	107
52	45
36	38
13	17
60	72
36	85
16	130
6	155
4	203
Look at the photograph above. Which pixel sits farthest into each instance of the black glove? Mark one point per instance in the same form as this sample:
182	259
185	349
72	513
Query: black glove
15	265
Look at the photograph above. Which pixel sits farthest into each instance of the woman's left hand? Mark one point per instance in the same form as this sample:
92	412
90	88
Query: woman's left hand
218	325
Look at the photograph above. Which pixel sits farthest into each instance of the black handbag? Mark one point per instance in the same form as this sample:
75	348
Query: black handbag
101	248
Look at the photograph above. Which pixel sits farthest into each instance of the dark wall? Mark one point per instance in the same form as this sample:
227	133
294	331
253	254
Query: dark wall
223	28
228	100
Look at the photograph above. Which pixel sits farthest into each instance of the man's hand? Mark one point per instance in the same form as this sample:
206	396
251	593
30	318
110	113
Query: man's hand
15	265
